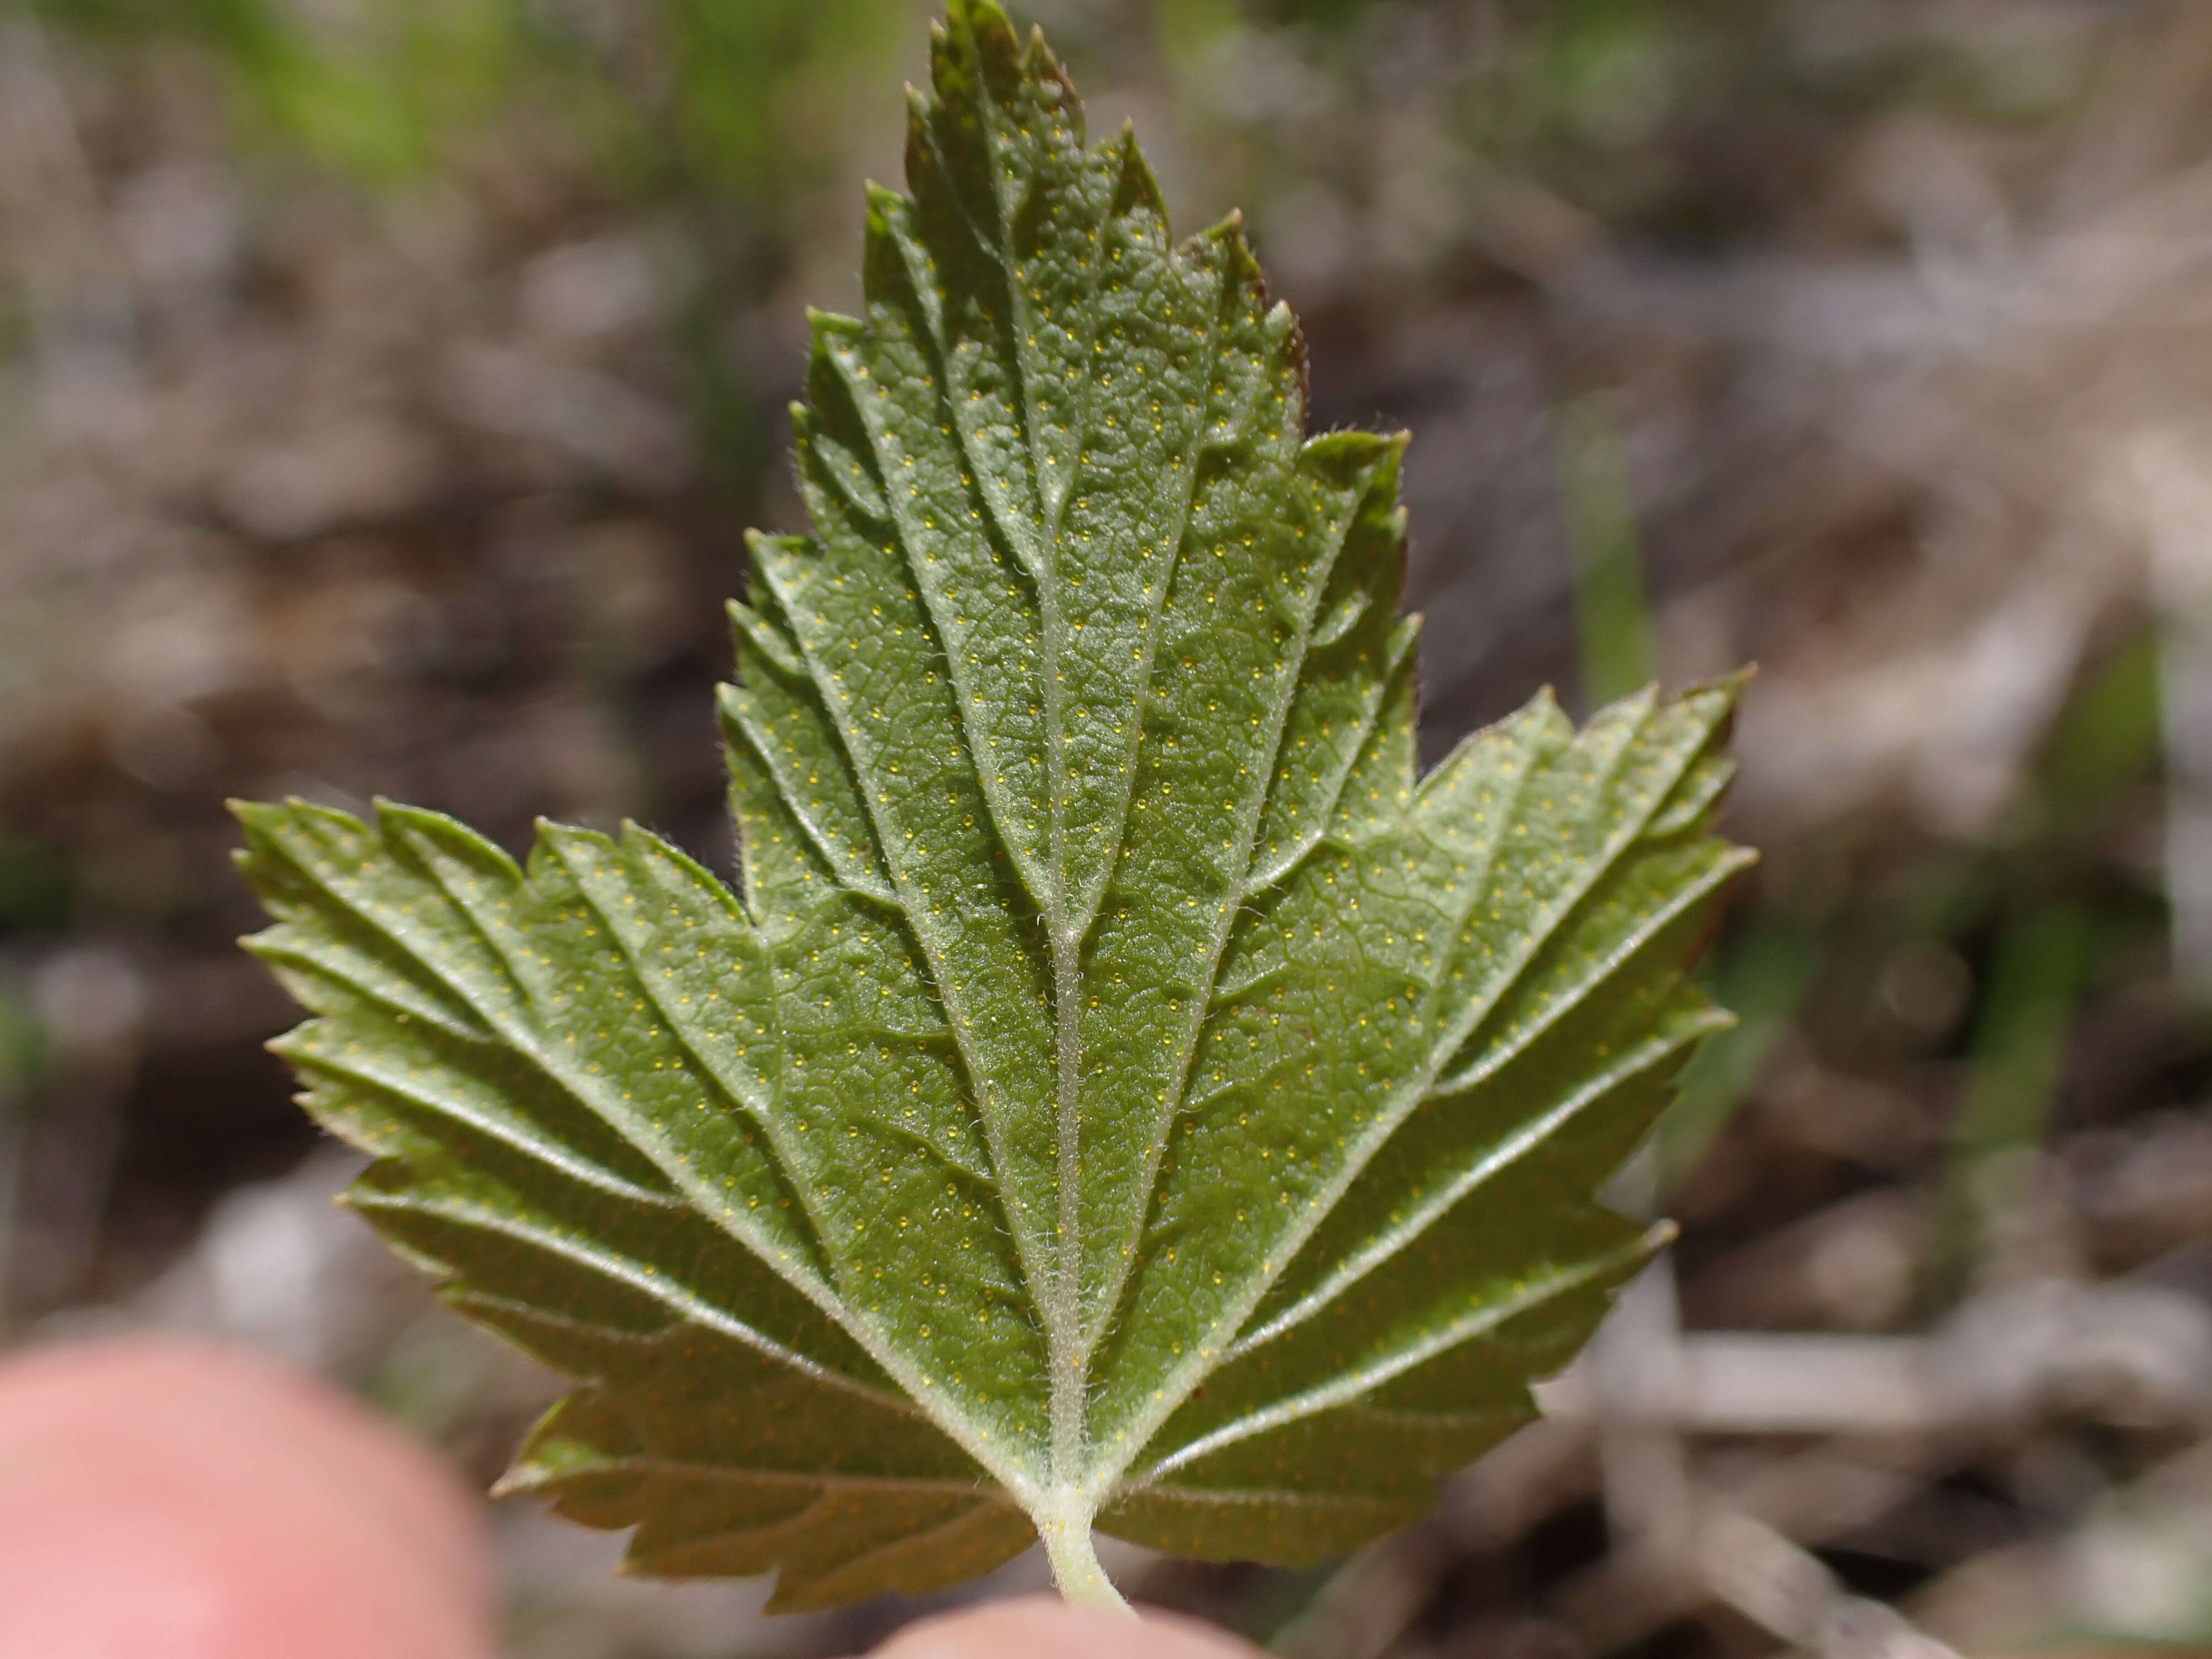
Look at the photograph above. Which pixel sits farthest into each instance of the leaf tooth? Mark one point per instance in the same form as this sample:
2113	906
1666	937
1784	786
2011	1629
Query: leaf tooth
594	866
1721	867
1695	799
898	270
854	480
1377	797
1356	645
771	639
1702	872
358	1070
609	1352
713	1523
328	867
465	898
1136	188
958	119
579	1250
1341	618
625	1314
780	869
1696	796
857	862
1454	793
1607	748
1374	1370
324	980
1644	1060
475	878
791	776
1289	844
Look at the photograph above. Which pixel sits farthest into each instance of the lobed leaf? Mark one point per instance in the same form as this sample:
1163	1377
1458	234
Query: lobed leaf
1122	1092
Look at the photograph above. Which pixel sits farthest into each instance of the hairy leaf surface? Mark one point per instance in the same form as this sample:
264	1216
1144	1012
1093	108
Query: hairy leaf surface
1120	1092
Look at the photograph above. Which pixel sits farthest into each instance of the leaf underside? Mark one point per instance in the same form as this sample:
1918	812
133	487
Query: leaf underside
1121	1090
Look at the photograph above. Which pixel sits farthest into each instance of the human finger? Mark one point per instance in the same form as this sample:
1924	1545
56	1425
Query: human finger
180	1500
1044	1627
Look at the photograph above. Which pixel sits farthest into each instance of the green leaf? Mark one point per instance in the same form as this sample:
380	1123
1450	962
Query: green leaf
1124	1095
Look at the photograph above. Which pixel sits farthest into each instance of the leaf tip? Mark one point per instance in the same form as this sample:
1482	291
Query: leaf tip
259	818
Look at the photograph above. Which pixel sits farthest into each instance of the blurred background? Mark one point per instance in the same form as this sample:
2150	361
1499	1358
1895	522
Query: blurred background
384	386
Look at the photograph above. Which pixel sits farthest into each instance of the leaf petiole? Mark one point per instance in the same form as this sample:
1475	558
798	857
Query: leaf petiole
1076	1573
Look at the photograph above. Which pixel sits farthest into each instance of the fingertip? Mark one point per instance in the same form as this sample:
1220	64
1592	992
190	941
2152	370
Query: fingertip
173	1498
1030	1626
